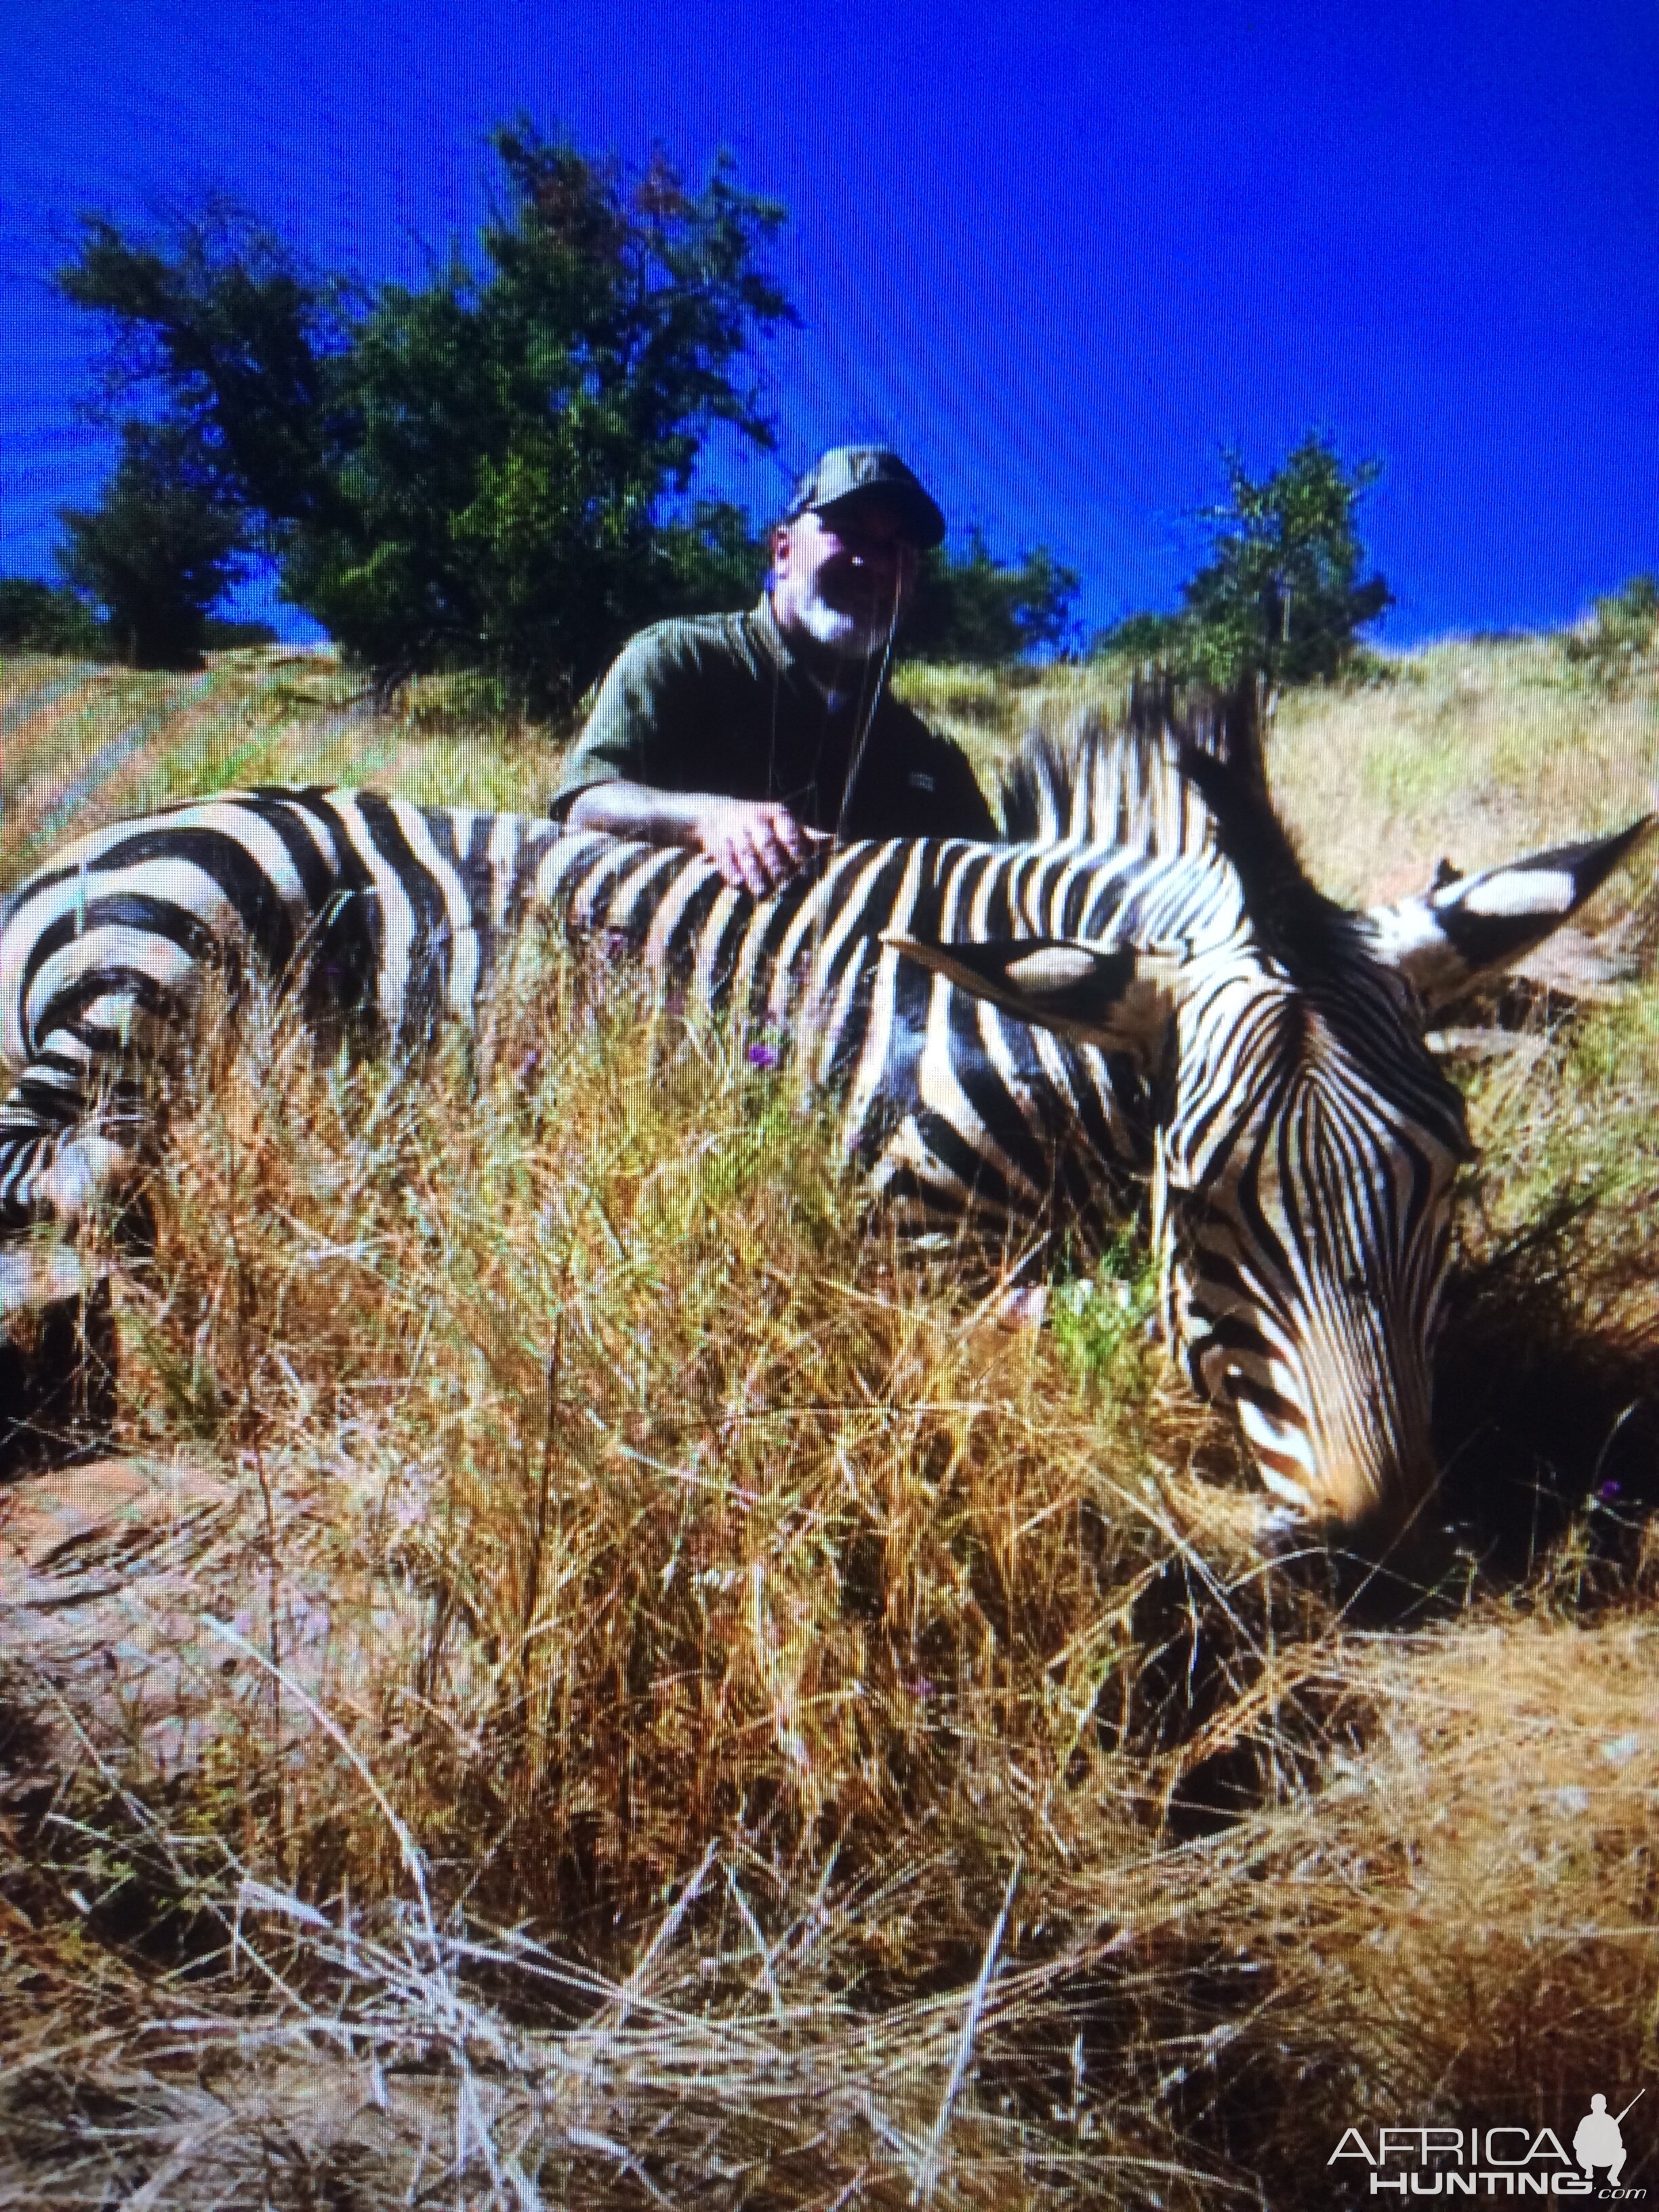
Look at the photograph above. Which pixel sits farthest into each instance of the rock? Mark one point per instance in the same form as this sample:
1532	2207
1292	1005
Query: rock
150	1610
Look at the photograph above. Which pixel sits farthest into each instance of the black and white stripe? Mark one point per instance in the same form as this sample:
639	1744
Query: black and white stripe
1140	985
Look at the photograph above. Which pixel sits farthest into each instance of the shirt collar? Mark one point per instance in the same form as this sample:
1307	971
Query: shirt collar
771	640
775	644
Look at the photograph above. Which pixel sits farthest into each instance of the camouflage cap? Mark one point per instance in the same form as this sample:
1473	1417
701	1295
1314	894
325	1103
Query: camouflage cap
847	472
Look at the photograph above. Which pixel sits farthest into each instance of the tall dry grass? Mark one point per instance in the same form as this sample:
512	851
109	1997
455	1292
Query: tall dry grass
1474	749
628	1688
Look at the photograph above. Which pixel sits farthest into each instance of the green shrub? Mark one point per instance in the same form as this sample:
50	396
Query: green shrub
159	548
976	611
36	617
1100	1320
219	635
1282	598
1620	635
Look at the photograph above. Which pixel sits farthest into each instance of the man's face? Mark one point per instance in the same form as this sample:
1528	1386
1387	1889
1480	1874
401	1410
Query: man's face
844	576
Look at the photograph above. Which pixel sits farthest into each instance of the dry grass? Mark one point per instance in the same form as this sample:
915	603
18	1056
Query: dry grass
631	1690
83	742
1479	749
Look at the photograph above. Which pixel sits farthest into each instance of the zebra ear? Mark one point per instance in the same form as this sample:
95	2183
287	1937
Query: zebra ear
1465	927
1120	1000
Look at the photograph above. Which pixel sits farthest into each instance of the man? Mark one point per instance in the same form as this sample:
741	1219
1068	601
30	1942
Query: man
755	738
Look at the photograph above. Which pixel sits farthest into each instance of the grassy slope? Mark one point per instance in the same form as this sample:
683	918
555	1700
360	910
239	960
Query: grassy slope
688	1582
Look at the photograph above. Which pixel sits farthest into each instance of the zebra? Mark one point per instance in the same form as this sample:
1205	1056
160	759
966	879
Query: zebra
1140	990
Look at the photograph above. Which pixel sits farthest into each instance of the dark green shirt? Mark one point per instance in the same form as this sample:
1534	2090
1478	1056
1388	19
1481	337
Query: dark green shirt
722	704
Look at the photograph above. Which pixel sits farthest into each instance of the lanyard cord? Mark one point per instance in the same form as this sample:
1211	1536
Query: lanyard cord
864	720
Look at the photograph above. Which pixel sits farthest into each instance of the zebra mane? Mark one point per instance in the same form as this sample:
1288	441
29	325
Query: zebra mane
1122	786
1180	778
1311	936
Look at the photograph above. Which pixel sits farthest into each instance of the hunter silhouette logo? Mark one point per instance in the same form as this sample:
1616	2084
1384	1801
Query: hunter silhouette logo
1597	2141
1492	2161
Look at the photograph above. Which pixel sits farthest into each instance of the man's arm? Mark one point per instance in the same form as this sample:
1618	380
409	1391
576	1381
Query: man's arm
624	774
756	844
962	805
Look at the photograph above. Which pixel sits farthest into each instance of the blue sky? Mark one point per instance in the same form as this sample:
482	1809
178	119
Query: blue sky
1060	256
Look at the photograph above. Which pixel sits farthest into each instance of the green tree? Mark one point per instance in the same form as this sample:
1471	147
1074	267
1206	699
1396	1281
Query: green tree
1620	635
37	617
714	562
1282	597
160	548
973	608
483	470
246	349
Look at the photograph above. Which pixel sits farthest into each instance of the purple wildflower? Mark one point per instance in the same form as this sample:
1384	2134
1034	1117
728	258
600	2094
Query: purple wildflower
763	1055
1610	1490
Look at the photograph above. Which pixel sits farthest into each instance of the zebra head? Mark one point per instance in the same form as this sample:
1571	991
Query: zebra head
1306	1142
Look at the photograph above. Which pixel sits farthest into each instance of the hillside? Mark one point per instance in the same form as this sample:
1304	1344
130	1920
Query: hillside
628	1688
1488	746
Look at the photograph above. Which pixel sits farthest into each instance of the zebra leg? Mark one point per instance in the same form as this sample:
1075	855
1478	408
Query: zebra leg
67	1155
63	1162
58	1350
57	1383
69	1127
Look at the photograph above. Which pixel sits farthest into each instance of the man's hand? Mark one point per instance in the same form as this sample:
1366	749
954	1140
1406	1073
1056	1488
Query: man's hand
756	844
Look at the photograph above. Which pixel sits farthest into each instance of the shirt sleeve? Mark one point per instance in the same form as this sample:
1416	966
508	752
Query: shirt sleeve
944	800
962	811
914	783
630	734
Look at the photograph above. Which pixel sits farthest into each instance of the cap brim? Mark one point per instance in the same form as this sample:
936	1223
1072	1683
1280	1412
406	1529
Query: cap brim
924	525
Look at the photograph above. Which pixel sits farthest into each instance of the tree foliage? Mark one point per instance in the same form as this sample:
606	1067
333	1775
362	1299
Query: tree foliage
973	608
1620	636
1281	597
52	618
160	547
246	351
481	470
38	617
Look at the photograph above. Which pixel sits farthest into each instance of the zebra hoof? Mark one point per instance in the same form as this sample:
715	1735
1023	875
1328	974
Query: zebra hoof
57	1383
